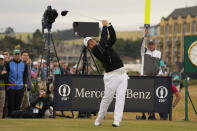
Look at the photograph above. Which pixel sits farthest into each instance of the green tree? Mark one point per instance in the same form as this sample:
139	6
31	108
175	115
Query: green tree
129	48
9	30
37	42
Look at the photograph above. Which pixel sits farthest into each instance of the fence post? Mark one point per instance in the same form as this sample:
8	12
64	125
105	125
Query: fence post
186	98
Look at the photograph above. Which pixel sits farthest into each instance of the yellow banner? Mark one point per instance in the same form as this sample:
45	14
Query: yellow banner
147	12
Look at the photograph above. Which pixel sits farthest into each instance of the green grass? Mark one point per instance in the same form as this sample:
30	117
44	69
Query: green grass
87	125
128	124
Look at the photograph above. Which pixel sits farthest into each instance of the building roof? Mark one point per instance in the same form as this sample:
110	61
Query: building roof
183	12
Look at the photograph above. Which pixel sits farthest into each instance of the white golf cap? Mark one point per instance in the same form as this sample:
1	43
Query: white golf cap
43	61
1	57
85	41
35	63
75	66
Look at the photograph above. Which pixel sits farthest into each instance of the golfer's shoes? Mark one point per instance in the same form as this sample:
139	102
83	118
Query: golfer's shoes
116	124
97	123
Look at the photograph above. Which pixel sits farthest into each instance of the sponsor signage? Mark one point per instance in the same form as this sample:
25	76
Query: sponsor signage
84	93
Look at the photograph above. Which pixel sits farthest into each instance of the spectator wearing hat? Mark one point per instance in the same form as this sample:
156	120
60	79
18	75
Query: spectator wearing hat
34	68
150	62
3	81
17	80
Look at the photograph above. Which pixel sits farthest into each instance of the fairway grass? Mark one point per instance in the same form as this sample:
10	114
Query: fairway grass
87	125
129	123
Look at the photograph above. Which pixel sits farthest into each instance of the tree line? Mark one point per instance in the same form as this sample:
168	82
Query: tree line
35	43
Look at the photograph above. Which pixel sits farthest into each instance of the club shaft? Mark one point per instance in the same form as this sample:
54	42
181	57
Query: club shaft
86	16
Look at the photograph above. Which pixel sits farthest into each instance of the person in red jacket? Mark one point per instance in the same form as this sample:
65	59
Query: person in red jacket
164	116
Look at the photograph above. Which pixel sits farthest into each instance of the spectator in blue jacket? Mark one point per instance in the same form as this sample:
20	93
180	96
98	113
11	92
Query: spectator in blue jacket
17	80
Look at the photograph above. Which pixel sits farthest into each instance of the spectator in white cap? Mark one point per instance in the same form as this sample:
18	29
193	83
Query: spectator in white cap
115	78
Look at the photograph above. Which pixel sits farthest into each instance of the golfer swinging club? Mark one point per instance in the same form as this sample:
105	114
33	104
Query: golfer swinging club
115	77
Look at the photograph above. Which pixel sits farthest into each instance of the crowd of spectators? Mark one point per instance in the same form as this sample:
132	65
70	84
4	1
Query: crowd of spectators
23	90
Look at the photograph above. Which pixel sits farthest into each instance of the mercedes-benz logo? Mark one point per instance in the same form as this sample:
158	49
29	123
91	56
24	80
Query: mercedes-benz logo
64	90
162	92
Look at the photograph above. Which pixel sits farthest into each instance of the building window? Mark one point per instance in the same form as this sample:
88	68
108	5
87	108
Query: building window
193	26
184	27
179	28
175	49
170	29
166	29
175	39
175	28
175	59
196	26
178	38
156	31
162	30
188	27
166	40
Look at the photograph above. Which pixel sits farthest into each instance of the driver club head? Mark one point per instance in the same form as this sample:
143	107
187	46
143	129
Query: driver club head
64	13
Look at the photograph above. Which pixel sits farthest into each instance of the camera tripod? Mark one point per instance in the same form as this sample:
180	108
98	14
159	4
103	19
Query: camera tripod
85	63
48	40
85	71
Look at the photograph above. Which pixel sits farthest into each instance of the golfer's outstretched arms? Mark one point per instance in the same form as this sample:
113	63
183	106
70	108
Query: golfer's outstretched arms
104	34
112	36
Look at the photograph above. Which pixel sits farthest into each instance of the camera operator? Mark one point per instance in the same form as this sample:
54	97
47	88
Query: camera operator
115	78
37	108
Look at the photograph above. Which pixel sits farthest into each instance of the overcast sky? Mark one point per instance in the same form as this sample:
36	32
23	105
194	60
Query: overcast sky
26	15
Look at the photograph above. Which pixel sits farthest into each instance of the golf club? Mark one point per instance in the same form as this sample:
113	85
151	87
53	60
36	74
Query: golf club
65	12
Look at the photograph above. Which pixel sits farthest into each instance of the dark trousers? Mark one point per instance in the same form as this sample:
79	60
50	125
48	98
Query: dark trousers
23	114
163	116
14	99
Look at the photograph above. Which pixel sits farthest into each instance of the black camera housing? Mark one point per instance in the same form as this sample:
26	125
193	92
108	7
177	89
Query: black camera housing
49	18
86	29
